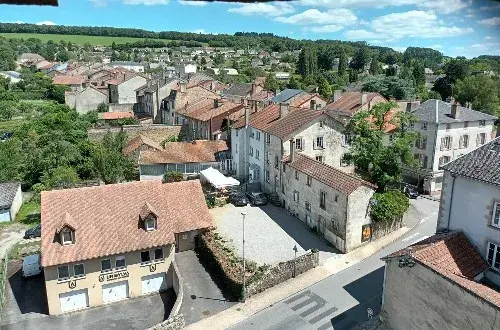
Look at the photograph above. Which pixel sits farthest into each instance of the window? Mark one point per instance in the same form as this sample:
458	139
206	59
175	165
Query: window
412	124
444	160
236	148
334	225
268	158
252	135
448	127
421	143
446	143
495	221
266	176
321	123
268	138
308	207
493	255
283	188
251	151
336	198
276	161
120	262
78	270
258	136
481	139
105	265
466	124
237	131
322	200
424	126
62	273
298	144
283	167
319	143
463	142
158	254
150	224
309	180
346	140
482	123
296	175
319	159
145	257
257	154
67	237
343	163
296	196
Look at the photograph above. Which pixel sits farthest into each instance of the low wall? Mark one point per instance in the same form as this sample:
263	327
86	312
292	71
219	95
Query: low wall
172	323
115	107
380	230
283	272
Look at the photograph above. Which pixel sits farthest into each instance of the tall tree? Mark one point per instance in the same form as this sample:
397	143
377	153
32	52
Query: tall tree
342	63
374	66
271	83
325	89
109	162
308	62
481	91
294	83
360	59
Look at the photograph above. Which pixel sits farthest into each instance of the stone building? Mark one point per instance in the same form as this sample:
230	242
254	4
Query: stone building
123	92
150	96
85	100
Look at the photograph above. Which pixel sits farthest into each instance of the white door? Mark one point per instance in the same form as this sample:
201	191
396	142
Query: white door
153	283
74	300
114	291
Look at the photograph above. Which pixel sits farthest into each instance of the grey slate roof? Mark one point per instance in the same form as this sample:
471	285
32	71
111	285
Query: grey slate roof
482	164
7	193
286	94
238	89
426	112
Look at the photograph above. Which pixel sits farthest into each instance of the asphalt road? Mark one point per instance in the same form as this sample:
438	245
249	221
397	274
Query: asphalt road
343	300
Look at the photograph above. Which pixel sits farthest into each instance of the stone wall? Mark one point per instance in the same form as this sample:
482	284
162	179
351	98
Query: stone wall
379	230
283	272
173	323
115	107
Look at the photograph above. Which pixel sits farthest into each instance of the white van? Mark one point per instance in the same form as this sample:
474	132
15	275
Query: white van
31	265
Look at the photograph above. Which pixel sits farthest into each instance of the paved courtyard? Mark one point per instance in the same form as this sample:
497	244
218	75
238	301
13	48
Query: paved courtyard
270	234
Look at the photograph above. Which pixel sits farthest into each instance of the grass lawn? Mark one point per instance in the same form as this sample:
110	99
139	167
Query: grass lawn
76	39
25	247
10	125
29	213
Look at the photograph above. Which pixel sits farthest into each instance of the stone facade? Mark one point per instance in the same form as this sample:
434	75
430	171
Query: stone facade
86	100
124	93
432	302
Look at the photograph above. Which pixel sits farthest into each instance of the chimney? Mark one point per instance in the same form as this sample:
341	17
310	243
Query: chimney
337	94
247	115
183	87
292	151
212	85
437	111
455	110
313	104
253	89
216	103
363	98
450	99
408	107
284	109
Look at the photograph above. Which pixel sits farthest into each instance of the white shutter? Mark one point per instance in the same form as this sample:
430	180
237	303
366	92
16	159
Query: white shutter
442	144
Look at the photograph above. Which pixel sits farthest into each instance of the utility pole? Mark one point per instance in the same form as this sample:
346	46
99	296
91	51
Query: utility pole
244	271
295	260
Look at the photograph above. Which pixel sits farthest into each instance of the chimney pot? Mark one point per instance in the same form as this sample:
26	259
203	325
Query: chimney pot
292	151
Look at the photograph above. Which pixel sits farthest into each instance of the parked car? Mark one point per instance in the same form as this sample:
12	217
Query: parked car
257	198
239	199
32	265
33	232
410	192
6	136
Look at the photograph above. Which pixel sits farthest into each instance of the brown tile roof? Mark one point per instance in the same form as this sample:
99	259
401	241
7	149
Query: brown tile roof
137	142
191	96
199	151
453	256
332	177
262	118
115	115
205	109
296	119
301	100
106	218
68	80
349	103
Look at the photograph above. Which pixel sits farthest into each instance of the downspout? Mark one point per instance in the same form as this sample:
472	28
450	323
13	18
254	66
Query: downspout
451	202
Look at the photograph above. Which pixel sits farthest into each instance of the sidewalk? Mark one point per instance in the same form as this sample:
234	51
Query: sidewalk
240	311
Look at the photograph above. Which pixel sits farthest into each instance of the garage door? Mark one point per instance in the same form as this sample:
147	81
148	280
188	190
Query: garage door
114	292
153	283
74	300
4	215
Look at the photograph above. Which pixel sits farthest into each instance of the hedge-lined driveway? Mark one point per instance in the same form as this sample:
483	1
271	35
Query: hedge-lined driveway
270	234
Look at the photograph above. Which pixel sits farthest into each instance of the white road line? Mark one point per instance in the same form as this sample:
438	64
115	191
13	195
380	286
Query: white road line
420	239
410	237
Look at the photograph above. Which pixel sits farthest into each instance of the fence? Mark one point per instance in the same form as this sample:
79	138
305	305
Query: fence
3	279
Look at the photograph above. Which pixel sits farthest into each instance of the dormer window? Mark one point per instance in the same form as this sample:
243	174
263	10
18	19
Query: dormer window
67	236
150	223
148	217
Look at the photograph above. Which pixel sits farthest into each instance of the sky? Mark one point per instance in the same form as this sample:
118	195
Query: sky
454	27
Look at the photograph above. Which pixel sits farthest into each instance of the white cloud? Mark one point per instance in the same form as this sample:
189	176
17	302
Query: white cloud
146	2
261	8
199	31
399	48
325	28
490	21
474	50
435	46
491	7
489	38
445	6
340	17
99	3
46	23
415	23
16	22
193	3
356	3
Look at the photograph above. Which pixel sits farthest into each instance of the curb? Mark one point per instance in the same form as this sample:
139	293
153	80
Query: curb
430	198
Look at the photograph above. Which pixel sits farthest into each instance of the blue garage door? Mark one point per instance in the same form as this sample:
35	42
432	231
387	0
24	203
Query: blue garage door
4	215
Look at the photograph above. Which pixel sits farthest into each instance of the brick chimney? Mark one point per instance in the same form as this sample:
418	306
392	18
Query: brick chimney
284	109
292	151
455	110
337	94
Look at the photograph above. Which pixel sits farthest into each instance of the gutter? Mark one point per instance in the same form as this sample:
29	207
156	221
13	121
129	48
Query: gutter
451	202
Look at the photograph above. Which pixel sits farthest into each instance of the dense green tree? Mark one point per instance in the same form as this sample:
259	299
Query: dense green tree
418	73
111	165
7	110
353	75
294	83
308	62
481	91
271	83
325	89
219	59
456	70
62	177
342	63
7	56
389	207
203	61
389	87
374	66
360	59
378	161
56	93
63	56
444	87
430	58
326	58
10	160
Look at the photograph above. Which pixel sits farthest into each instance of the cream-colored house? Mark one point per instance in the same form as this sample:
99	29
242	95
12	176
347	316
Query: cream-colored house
109	243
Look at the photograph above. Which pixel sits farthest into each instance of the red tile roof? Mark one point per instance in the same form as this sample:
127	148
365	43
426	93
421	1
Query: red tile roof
106	218
262	118
115	115
68	80
296	119
301	100
454	257
199	151
349	102
332	177
139	141
204	110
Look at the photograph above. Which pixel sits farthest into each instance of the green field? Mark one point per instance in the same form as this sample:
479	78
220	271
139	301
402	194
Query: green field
76	39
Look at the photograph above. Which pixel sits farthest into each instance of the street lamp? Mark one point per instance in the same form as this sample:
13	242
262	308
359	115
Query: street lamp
295	260
244	272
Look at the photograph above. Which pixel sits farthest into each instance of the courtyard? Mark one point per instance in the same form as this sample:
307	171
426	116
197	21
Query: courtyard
270	234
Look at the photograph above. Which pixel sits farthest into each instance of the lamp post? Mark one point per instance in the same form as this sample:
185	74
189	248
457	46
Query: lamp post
295	259
244	272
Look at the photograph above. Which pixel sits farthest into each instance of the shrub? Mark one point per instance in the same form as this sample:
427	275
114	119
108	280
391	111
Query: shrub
389	207
173	176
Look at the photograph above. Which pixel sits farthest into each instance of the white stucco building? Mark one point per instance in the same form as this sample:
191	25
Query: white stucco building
125	92
446	132
132	66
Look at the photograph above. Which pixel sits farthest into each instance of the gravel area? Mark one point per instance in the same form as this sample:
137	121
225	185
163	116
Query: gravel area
270	234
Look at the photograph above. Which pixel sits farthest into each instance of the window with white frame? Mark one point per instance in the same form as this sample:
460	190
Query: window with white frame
482	123
319	159
493	256
67	236
106	265
321	123
268	158
283	188
150	223
308	207
236	148
296	196
424	126
296	175
62	273
276	162
257	154
145	257
444	160
495	220
346	140
120	262
251	151
298	144
268	138
421	142
78	270
446	143
463	142
252	134
237	132
258	136
267	176
481	139
318	143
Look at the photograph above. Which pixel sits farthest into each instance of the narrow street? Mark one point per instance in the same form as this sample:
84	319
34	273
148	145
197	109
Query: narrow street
343	300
